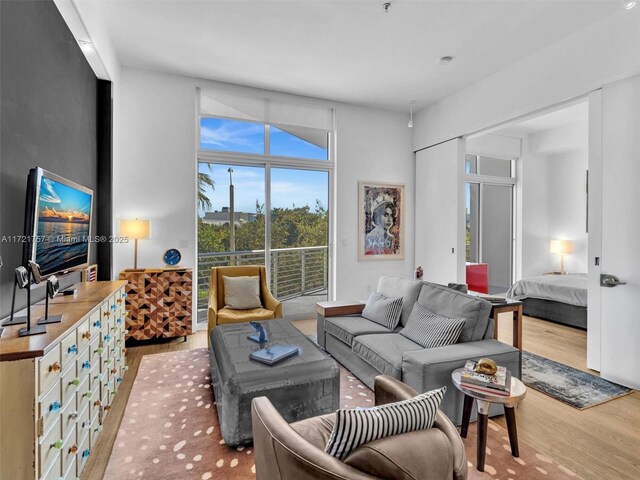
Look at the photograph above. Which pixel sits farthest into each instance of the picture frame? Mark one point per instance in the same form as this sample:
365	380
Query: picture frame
381	219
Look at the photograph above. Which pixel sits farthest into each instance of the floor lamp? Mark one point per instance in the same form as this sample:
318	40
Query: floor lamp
137	230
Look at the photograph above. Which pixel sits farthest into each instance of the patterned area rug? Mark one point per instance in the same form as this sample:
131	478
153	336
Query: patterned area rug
170	430
574	387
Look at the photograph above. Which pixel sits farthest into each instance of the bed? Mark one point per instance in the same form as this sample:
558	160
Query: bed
559	298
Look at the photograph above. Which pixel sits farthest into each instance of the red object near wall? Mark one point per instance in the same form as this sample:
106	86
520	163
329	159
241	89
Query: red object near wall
478	277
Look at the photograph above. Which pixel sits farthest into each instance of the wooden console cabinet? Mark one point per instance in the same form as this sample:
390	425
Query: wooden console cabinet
158	303
56	389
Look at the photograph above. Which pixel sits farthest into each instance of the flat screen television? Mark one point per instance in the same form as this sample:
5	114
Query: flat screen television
58	216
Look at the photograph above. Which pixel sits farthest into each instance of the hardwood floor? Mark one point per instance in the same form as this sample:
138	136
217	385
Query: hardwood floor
597	443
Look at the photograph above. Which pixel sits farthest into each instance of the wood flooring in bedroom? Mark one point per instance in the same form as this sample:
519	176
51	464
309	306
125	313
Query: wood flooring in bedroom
598	443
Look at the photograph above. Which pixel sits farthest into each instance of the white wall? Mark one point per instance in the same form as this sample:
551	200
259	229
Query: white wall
552	180
567	206
372	145
582	62
155	175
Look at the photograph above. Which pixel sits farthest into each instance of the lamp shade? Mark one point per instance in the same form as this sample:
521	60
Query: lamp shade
135	229
561	247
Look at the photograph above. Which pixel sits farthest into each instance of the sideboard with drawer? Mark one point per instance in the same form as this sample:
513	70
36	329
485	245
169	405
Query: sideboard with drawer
56	389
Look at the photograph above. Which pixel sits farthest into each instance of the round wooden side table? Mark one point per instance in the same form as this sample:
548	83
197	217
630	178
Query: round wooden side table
518	392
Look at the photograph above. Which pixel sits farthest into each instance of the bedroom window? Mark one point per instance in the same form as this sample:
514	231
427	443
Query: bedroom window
489	237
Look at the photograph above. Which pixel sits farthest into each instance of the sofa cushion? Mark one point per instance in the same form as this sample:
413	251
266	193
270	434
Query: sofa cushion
384	351
383	310
355	427
347	328
228	315
449	303
431	330
400	287
410	456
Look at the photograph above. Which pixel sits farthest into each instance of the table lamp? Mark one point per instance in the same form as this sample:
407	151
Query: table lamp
562	248
137	230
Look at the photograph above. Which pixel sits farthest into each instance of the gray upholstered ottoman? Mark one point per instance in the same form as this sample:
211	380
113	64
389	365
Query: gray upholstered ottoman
300	387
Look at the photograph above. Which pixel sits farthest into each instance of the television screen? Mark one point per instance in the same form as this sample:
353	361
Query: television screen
60	220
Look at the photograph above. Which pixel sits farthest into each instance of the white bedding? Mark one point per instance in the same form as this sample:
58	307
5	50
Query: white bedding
571	289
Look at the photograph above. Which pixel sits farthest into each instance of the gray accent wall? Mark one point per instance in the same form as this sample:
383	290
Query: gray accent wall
48	119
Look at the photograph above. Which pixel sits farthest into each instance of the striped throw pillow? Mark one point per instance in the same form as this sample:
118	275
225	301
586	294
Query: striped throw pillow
430	329
354	428
383	310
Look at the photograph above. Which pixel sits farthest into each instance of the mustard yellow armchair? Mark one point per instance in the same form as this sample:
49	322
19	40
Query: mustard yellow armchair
219	315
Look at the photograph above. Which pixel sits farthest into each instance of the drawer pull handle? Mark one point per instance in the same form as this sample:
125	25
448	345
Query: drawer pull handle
124	351
99	350
119	379
73	448
124	294
75	381
55	367
119	321
86	424
125	314
86	453
109	360
57	444
107	407
97	403
126	332
54	407
107	338
114	371
113	307
119	300
98	429
72	349
86	364
99	377
88	394
126	367
73	415
86	335
97	324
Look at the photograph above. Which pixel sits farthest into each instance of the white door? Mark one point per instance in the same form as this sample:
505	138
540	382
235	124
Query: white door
439	225
620	253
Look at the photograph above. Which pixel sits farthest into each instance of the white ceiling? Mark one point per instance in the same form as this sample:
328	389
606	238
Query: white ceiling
349	51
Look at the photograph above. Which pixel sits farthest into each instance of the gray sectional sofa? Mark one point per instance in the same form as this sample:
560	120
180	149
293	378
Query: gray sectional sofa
368	349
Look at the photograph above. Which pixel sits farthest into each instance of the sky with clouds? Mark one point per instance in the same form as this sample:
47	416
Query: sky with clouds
289	187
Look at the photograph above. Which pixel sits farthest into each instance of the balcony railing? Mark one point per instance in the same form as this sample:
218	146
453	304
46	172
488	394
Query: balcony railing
294	271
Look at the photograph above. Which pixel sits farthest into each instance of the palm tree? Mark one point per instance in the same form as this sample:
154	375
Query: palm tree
204	180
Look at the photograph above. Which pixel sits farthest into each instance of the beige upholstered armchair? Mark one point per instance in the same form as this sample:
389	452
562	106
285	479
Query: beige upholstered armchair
296	451
219	315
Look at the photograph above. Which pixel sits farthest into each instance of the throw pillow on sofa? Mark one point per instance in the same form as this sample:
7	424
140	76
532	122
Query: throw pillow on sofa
431	330
353	428
383	310
241	293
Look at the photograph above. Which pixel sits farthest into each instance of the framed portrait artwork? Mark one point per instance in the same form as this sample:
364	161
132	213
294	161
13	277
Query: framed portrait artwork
380	221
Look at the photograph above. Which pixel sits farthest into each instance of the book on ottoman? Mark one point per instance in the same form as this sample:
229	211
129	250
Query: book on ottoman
274	354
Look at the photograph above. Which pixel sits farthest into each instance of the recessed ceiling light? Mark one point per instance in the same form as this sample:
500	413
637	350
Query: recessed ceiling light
85	45
629	4
445	60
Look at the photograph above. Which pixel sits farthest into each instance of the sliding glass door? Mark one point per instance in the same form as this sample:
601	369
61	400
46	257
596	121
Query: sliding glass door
263	215
489	222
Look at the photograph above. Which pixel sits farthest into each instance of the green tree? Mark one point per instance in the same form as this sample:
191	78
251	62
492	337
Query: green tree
204	181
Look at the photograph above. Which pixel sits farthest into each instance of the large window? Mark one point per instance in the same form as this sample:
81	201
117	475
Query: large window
264	173
489	235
